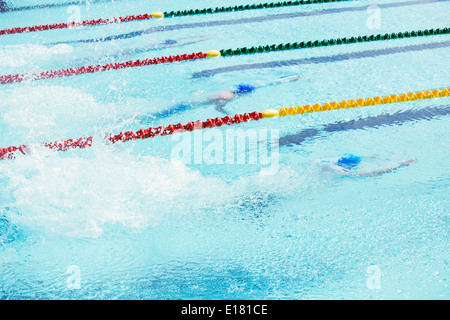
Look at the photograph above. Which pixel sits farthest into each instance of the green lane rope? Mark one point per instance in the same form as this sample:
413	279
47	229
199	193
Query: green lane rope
192	12
333	41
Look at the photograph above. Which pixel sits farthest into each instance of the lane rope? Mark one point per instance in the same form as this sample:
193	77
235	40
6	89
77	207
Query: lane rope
146	16
65	25
335	41
14	78
269	5
84	142
354	103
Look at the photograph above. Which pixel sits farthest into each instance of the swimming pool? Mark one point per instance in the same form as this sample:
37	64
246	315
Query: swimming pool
187	216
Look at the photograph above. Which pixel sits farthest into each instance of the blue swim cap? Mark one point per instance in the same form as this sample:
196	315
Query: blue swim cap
244	88
349	161
169	41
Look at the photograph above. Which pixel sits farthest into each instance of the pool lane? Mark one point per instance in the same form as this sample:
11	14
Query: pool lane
258	19
397	118
324	59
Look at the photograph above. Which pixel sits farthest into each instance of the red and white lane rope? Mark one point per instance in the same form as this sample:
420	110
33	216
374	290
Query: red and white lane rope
65	25
13	78
81	143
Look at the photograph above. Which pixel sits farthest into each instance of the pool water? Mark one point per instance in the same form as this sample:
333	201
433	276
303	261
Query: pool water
142	220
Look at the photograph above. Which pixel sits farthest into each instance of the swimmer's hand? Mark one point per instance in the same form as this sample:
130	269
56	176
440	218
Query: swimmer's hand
282	80
291	78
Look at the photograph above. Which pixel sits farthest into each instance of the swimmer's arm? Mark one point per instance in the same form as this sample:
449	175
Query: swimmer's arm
386	170
205	103
260	84
220	105
200	103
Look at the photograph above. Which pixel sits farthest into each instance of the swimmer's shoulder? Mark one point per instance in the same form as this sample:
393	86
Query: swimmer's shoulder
329	165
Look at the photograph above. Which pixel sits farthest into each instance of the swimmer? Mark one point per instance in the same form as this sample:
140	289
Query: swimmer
347	165
3	6
221	99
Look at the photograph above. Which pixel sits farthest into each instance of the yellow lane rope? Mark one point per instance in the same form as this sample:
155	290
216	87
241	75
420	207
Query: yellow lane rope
353	103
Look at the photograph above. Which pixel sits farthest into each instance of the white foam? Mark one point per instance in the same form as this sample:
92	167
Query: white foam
83	197
115	190
50	112
30	54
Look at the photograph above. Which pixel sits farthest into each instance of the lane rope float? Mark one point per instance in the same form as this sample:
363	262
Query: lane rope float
81	143
84	142
246	7
334	41
65	25
8	79
354	103
146	16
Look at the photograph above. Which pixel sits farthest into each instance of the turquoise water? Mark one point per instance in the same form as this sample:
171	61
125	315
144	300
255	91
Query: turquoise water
133	221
